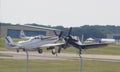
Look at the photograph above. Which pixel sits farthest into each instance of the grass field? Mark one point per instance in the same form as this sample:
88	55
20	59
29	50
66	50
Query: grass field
5	55
58	66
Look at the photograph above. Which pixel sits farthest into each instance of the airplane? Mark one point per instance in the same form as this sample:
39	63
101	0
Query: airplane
107	40
38	42
101	40
23	36
35	43
75	42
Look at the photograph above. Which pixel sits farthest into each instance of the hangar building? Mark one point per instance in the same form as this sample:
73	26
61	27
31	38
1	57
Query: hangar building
114	36
14	30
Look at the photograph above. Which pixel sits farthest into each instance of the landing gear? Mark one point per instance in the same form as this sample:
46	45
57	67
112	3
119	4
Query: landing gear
17	50
24	50
53	51
40	51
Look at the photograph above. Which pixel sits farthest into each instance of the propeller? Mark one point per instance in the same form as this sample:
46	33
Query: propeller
69	32
60	35
66	39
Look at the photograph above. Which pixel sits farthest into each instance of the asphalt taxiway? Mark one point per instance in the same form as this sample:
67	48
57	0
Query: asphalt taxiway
61	56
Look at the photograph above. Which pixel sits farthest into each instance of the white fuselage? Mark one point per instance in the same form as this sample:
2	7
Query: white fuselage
37	42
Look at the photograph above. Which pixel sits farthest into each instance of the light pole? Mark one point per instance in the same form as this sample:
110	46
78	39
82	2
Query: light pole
80	50
27	58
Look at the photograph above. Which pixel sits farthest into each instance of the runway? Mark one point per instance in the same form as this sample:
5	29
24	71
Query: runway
61	56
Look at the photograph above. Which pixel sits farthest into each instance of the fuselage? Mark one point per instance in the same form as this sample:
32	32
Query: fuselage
37	42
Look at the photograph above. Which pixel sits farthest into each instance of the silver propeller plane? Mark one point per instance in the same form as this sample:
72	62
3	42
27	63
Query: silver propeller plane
34	43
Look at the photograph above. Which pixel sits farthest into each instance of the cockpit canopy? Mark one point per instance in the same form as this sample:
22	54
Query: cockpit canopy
41	37
75	37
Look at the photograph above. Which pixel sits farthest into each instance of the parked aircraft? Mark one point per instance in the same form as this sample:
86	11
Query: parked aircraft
22	35
106	40
34	43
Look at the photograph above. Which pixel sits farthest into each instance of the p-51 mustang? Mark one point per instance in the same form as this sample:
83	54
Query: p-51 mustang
35	43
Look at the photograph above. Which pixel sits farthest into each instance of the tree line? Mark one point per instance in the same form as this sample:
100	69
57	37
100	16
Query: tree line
94	31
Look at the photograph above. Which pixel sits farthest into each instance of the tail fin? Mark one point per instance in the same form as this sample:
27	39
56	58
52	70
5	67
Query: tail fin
22	34
8	39
9	42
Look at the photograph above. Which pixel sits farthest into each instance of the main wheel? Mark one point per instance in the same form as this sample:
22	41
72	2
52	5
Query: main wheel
40	51
53	51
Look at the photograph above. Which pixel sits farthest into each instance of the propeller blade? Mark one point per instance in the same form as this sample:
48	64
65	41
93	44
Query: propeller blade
60	34
68	37
55	33
69	31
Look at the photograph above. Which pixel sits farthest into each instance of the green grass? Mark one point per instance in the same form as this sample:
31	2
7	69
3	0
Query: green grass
57	66
2	44
112	49
5	55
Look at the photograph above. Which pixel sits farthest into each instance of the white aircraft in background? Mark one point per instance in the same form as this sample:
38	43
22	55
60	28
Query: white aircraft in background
35	43
106	40
22	35
101	40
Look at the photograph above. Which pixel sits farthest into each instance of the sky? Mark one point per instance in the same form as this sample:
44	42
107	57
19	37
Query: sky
67	13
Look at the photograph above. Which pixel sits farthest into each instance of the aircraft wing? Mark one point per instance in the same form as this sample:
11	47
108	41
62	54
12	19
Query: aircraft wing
93	45
55	44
